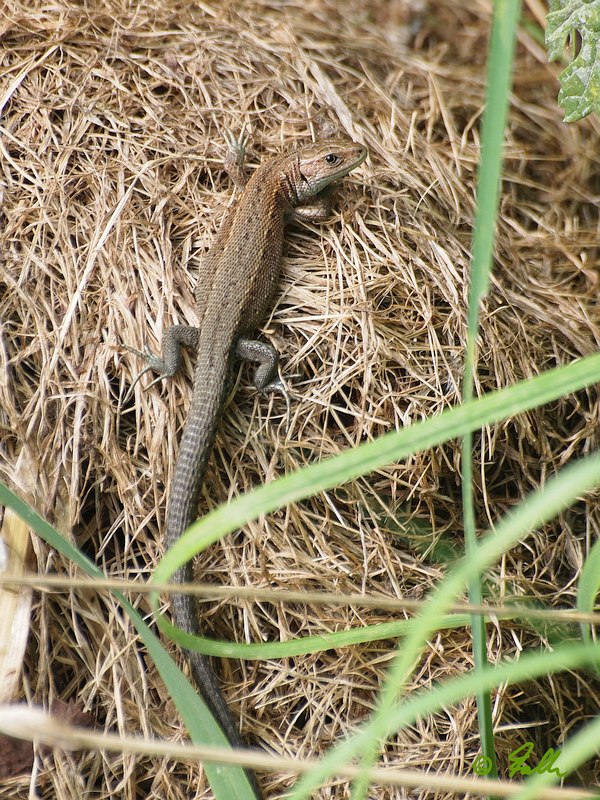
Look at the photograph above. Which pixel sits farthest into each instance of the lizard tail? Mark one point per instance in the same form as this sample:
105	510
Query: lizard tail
194	451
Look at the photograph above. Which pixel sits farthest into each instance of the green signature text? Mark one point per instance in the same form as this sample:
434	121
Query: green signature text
482	765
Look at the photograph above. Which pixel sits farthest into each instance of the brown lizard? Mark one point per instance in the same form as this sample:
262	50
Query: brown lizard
235	286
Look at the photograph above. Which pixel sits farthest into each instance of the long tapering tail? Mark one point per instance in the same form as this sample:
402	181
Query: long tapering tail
194	452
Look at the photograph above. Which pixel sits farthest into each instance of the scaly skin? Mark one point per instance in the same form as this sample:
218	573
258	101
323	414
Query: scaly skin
237	280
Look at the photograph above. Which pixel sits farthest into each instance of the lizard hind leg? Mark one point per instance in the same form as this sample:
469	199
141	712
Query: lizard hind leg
266	377
168	364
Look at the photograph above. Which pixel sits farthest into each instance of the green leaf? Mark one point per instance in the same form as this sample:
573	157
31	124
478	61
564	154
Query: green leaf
579	94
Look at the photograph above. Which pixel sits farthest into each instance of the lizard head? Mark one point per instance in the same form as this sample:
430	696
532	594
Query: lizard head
324	162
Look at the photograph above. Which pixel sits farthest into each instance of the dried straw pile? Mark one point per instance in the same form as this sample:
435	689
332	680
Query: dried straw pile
114	118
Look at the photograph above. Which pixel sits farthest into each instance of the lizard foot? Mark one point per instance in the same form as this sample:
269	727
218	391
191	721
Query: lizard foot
153	364
236	154
278	387
236	147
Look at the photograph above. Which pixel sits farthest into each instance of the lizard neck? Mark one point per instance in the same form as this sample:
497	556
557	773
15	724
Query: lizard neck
279	180
291	178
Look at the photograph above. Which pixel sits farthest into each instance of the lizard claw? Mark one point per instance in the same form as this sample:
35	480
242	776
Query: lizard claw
234	160
237	146
153	364
278	387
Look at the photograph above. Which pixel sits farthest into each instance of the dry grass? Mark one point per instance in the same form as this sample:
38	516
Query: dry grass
114	115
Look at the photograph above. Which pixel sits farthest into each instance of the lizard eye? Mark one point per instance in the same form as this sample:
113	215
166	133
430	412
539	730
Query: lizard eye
332	159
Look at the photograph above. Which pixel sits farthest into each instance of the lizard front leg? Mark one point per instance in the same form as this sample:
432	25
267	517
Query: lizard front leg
318	210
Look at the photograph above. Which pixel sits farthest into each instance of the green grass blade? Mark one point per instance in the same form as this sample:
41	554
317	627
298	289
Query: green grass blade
228	783
501	52
587	589
500	62
309	644
530	665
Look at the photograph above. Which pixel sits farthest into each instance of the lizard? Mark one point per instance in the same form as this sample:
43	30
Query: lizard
236	283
